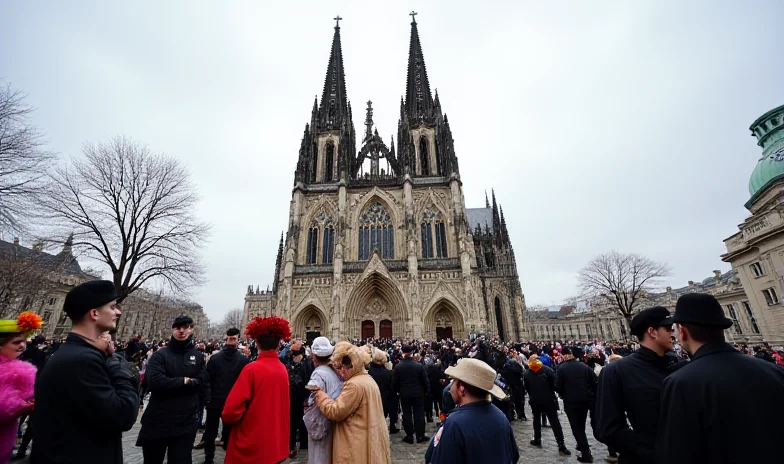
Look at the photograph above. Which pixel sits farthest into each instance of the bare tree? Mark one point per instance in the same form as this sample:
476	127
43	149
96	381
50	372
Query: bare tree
23	160
621	280
132	210
233	318
23	280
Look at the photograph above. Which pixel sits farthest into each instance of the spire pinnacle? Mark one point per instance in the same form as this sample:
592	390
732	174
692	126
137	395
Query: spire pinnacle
334	103
337	21
369	120
487	202
418	99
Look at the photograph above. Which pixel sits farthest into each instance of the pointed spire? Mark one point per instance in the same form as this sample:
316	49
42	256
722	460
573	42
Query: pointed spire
419	102
278	263
496	217
487	202
437	101
334	103
368	120
67	250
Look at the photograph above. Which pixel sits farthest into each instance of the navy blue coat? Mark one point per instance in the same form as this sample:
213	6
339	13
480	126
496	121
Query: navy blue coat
475	433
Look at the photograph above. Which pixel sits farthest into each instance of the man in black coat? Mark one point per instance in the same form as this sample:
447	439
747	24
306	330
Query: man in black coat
85	398
383	378
631	388
177	378
703	403
576	383
512	372
223	369
410	382
540	384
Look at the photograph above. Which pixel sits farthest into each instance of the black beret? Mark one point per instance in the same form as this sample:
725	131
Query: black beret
658	316
576	351
180	321
232	332
87	296
700	309
407	349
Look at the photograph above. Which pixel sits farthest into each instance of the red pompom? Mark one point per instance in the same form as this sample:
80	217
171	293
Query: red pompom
276	326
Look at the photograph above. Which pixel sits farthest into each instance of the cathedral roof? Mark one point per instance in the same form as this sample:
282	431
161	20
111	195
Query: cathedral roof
63	260
480	217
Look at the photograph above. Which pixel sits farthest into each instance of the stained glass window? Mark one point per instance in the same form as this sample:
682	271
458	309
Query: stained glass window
313	234
321	227
376	233
433	232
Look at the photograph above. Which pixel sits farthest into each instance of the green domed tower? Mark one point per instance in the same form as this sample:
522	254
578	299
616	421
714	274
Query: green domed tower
769	130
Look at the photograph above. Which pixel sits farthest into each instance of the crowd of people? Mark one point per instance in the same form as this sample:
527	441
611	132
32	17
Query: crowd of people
667	398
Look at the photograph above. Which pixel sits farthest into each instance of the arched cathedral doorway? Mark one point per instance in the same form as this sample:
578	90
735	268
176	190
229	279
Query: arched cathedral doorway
444	320
309	323
375	309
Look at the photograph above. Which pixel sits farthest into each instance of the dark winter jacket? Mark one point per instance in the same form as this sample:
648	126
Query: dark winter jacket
540	387
84	401
299	376
513	374
173	405
631	388
703	403
223	369
576	383
383	378
435	375
409	379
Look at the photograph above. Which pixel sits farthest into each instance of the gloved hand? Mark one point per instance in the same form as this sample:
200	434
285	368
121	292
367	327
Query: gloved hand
194	382
120	370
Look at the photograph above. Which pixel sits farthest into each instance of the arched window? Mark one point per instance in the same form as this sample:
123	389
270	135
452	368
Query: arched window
329	161
424	158
376	232
329	244
433	231
313	236
321	227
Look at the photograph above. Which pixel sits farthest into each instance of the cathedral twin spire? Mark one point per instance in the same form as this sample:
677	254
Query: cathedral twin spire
333	115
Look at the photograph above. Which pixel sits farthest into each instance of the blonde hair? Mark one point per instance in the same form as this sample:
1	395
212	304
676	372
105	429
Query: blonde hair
379	357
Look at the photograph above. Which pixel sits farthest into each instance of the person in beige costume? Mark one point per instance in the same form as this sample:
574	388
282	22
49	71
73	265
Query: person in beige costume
360	434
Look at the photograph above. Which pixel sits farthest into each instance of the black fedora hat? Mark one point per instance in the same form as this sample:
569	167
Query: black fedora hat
702	310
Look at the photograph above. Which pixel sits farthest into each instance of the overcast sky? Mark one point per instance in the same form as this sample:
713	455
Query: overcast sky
601	125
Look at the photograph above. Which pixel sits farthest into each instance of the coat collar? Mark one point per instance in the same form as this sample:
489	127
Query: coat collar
76	339
268	354
712	348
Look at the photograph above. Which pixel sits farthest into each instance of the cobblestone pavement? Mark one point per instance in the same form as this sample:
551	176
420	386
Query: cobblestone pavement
403	453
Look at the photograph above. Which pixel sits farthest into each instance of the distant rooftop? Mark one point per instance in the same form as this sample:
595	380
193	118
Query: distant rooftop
480	217
64	260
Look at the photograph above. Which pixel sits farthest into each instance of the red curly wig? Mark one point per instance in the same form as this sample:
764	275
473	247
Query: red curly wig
274	326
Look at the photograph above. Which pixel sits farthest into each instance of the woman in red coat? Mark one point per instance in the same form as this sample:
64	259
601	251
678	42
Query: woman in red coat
257	407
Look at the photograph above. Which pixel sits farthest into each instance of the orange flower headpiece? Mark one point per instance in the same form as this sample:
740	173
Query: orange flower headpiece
275	326
27	324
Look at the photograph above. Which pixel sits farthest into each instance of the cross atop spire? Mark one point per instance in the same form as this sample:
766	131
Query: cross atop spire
413	18
337	20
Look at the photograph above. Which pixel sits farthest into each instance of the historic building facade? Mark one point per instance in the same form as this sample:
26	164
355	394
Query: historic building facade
604	322
756	251
379	241
33	280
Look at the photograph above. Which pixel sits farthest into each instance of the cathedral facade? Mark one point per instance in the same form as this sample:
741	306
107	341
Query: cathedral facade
379	241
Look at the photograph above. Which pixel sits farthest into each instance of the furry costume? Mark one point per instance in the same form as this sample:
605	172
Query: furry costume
360	434
17	379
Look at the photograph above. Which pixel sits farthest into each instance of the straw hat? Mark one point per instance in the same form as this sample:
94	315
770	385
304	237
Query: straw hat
476	373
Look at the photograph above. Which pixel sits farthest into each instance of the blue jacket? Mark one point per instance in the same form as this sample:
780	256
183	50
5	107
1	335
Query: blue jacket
475	433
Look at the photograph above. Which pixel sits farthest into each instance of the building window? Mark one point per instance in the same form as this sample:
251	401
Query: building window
756	268
433	232
770	296
313	234
734	317
329	162
424	158
376	232
439	167
329	244
752	319
52	301
320	227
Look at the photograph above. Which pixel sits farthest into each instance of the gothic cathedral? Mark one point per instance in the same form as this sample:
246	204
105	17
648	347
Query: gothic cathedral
379	241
